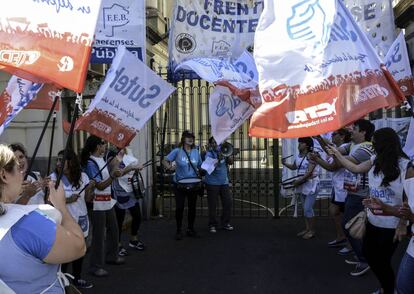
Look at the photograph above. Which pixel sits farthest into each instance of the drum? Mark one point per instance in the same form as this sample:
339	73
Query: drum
288	190
189	184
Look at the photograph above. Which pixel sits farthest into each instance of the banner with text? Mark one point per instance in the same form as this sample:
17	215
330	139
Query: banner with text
227	113
212	29
324	73
129	96
48	41
44	99
375	17
15	97
398	63
120	22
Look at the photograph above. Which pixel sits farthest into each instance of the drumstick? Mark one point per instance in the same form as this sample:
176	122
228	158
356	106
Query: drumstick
287	157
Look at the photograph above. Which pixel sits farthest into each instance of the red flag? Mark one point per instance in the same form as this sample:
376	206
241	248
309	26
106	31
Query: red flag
44	99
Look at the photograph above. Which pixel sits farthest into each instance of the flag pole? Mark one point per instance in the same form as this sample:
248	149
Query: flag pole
52	109
78	105
49	162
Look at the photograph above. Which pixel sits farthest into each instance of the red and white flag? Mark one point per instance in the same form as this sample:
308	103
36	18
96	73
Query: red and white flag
398	63
129	96
44	99
48	41
322	75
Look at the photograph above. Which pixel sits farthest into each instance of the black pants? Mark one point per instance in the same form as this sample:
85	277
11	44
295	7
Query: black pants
180	196
378	248
135	212
76	268
213	192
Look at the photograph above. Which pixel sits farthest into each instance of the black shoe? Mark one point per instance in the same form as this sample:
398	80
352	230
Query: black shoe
100	272
193	234
138	245
179	236
117	261
82	284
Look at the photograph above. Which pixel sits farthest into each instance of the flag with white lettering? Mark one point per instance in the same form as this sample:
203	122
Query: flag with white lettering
227	113
15	97
120	22
48	41
129	96
398	63
212	29
322	75
409	142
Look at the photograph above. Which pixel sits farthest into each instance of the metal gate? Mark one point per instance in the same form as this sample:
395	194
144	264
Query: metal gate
252	175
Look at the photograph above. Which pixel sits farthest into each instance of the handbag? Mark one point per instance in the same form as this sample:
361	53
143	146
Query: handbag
191	184
356	226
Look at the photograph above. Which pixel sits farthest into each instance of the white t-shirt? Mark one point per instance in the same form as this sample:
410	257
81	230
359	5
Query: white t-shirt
103	200
391	195
125	180
409	186
311	184
77	209
338	177
39	197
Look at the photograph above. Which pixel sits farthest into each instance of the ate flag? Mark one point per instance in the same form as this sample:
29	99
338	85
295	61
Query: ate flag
48	41
322	75
44	99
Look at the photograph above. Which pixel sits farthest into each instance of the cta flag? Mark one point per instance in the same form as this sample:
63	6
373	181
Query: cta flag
120	22
242	72
322	75
48	41
129	96
15	97
212	29
44	99
398	63
227	113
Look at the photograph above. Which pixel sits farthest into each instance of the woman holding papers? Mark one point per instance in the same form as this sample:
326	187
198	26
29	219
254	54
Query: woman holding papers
217	184
187	180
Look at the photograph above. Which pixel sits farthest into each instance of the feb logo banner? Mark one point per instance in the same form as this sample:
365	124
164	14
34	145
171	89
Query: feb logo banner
398	63
323	74
129	96
212	29
120	22
48	41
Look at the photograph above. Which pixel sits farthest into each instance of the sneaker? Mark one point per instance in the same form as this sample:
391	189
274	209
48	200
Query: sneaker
300	234
100	272
122	252
82	284
179	236
360	269
138	245
345	251
309	235
336	243
192	233
213	229
117	261
352	260
228	227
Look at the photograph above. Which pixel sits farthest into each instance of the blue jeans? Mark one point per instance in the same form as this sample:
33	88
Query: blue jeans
405	280
353	206
307	202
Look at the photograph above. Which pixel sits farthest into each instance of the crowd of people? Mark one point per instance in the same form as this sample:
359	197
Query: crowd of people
370	174
372	178
89	206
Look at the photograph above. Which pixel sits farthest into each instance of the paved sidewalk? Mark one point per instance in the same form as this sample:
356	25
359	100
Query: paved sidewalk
261	256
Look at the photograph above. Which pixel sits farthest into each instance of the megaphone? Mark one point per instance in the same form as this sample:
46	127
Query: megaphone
226	149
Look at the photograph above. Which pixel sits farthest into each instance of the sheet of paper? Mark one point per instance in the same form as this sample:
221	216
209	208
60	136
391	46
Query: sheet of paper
209	165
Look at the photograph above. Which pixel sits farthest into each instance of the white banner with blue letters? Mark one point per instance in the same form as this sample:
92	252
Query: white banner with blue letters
212	29
120	23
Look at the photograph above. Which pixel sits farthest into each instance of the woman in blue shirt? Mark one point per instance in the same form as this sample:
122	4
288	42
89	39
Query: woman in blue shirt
217	184
186	180
33	245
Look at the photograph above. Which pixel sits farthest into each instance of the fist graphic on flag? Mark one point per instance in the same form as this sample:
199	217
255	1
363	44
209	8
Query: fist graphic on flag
308	21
